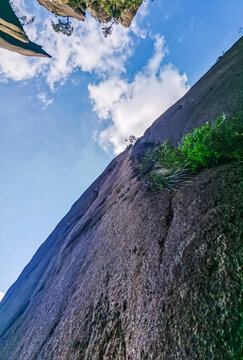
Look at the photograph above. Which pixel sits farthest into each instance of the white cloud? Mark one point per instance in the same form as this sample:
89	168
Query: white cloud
1	295
44	100
20	8
86	49
135	25
107	94
17	67
132	106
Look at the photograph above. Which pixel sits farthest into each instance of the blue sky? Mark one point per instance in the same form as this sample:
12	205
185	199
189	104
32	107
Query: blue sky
64	119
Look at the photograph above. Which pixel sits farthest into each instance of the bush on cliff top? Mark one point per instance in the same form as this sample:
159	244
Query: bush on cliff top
167	165
113	8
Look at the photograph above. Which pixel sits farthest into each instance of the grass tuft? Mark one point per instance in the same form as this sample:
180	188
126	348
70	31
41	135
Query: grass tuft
167	165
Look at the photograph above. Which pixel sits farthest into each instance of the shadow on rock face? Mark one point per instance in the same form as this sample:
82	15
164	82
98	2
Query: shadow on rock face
120	10
13	36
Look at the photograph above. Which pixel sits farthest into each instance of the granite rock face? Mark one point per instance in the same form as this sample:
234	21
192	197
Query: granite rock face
62	8
13	36
219	90
131	275
98	9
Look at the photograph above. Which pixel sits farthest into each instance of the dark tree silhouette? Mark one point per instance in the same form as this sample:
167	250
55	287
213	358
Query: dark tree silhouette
64	27
107	30
131	141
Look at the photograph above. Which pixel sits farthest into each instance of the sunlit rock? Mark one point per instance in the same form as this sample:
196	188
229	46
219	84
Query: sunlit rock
13	36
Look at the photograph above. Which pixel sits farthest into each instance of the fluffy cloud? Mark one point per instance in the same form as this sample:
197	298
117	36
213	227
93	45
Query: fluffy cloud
132	106
1	295
87	49
17	67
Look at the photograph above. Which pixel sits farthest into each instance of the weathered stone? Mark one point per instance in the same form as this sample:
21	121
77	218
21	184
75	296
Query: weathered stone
131	275
95	8
62	8
13	36
219	90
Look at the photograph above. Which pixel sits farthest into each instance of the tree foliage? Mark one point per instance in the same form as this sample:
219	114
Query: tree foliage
213	144
64	27
113	8
130	141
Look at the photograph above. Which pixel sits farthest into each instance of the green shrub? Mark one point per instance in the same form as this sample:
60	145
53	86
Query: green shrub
130	141
166	165
113	8
116	8
214	144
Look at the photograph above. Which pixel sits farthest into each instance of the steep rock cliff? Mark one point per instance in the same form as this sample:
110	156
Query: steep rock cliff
130	275
13	36
122	10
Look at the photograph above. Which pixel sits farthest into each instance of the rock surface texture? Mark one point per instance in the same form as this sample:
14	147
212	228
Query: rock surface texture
13	36
98	9
131	275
